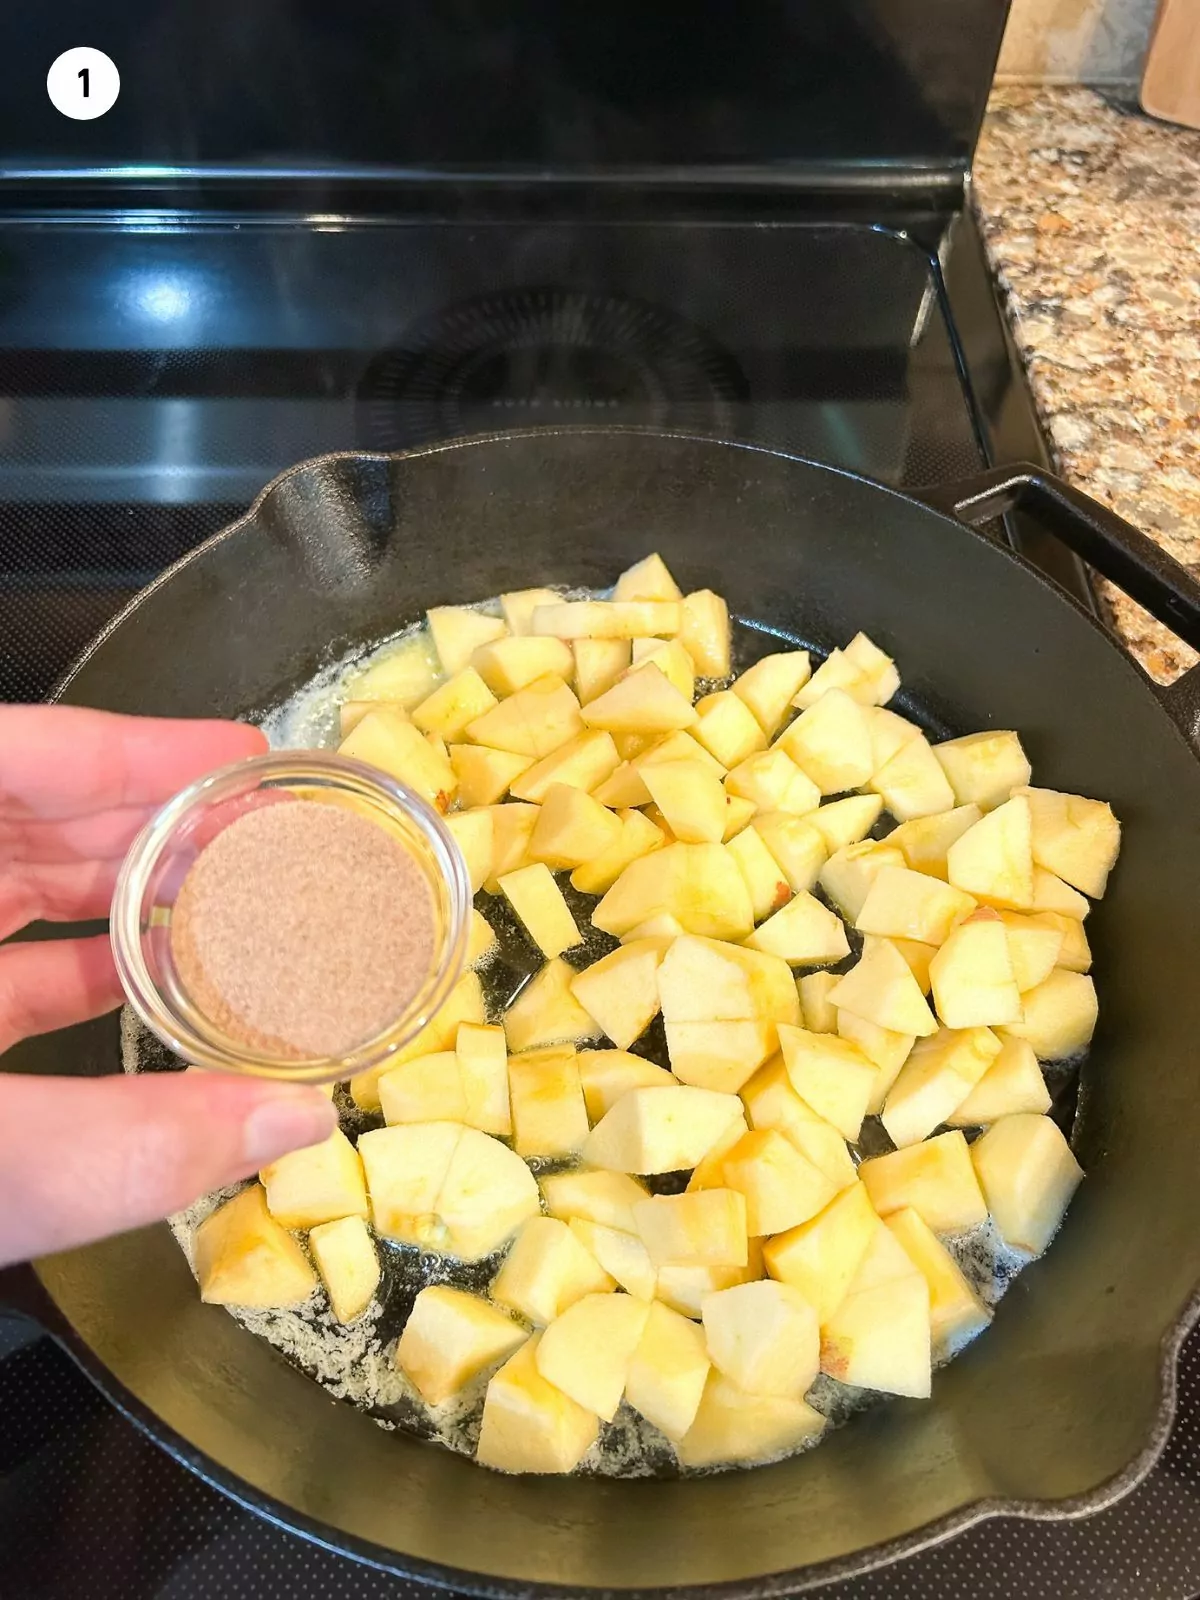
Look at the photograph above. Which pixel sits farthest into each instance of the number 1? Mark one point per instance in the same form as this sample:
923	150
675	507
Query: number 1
83	73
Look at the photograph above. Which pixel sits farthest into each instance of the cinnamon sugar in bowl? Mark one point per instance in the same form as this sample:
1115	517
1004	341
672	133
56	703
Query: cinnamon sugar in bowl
297	915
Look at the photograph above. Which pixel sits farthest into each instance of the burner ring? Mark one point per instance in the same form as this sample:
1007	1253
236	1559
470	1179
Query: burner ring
539	356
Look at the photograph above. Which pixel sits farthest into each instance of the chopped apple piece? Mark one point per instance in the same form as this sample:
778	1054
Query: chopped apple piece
660	1130
938	1076
571	828
710	1173
768	888
538	902
879	1337
584	762
1074	953
718	1055
463	1004
917	955
511	664
972	975
727	728
607	1198
1076	839
484	776
1059	1015
644	701
587	1351
925	840
684	1288
882	989
458	701
820	1015
1012	1083
528	1424
671	659
609	619
648	579
956	1314
546	1012
1028	1174
546	1270
473	833
533	722
837	671
764	1337
512	829
488	1193
863	653
821	1257
598	665
348	1263
706	1228
886	1050
404	674
703	980
772	781
844	822
1034	944
902	904
849	873
738	814
317	1184
770	686
994	859
912	784
243	1257
425	1089
386	739
889	734
519	605
700	885
548	1113
781	1186
626	786
668	1372
482	1056
704	633
803	933
732	1426
639	836
650	885
1052	894
458	632
771	1102
831	742
351	713
984	768
798	849
450	1338
690	797
935	1178
830	1075
620	991
606	1075
406	1167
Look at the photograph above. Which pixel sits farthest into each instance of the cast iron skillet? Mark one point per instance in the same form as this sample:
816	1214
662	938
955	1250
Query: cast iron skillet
1064	1404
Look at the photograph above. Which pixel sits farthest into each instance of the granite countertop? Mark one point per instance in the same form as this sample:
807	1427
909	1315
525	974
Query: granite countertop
1091	212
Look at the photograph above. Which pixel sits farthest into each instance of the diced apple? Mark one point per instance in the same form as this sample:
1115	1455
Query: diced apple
889	734
458	632
727	728
620	991
644	701
845	822
244	1257
609	619
1076	839
738	815
463	1004
546	1012
771	1102
571	828
797	848
607	1198
487	1194
704	633
764	1337
1012	1083
837	671
406	1167
767	886
1034	944
926	840
351	713
598	665
711	899
404	674
886	1050
912	784
511	664
1074	952
660	1130
984	768
830	1075
956	1314
668	1372
879	1337
902	904
938	1076
918	957
848	874
583	762
1028	1175
622	1255
1059	1015
882	989
386	739
528	1424
671	659
647	579
484	776
684	1288
626	786
718	1055
1052	894
935	1178
821	1257
994	859
710	1173
606	1075
472	832
546	1270
781	1186
691	798
519	605
648	886
972	975
546	1097
482	1057
863	653
425	1089
450	1338
319	1183
820	1016
539	904
803	933
512	829
769	687
458	701
712	980
638	838
831	742
732	1426
348	1263
773	782
533	722
705	1228
587	1351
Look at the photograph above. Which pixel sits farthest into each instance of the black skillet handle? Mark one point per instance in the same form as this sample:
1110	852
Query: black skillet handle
1119	551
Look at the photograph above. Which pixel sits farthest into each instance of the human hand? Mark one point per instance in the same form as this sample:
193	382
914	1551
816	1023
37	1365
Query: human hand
83	1157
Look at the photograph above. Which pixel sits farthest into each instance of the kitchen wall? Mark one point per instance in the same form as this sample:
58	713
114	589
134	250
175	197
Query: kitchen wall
1069	41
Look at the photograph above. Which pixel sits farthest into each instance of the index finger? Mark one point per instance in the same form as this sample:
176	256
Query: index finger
67	761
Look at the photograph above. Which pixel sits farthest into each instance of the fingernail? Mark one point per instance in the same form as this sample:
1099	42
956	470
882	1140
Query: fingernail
289	1120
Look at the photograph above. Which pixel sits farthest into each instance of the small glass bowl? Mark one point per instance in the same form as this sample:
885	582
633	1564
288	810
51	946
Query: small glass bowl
158	861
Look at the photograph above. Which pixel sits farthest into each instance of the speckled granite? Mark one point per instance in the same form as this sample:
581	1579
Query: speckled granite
1092	216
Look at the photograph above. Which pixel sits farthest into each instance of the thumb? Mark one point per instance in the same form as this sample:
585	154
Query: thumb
84	1157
